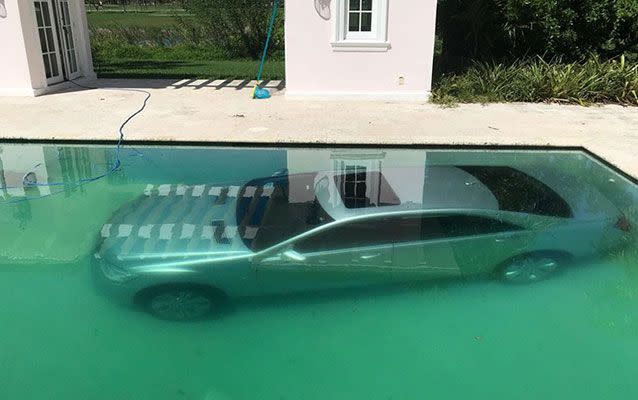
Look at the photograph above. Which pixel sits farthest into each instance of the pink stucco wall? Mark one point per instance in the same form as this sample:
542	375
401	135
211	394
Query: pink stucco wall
313	67
21	66
15	74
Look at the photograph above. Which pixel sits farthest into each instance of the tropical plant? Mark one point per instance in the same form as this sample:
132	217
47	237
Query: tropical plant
538	80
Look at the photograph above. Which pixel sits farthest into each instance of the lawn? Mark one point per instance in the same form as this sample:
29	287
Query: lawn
113	19
176	69
151	43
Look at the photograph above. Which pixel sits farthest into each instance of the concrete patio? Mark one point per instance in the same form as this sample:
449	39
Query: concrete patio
223	112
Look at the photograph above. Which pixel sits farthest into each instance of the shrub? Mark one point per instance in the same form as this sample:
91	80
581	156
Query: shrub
508	29
238	26
537	80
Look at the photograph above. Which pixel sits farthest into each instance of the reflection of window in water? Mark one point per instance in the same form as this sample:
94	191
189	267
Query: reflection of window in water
358	185
354	187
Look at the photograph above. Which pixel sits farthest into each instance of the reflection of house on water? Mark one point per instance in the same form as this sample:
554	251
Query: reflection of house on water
357	182
22	166
362	175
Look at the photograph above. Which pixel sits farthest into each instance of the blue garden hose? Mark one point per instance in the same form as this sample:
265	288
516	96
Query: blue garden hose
262	93
116	165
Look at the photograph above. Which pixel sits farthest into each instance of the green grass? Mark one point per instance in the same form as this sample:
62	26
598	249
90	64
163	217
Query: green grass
588	82
113	19
150	44
176	69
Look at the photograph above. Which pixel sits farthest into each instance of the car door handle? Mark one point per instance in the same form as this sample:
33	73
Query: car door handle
369	256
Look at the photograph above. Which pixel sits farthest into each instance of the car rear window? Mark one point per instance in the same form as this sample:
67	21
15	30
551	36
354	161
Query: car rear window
519	192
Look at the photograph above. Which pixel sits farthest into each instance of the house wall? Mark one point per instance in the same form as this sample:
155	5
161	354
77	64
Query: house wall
315	68
21	66
15	74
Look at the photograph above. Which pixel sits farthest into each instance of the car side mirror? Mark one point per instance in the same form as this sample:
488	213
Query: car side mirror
292	255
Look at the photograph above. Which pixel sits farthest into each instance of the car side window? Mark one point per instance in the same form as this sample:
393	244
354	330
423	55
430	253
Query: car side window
371	232
470	225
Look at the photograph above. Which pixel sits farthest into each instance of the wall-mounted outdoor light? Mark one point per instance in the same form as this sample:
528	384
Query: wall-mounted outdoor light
3	9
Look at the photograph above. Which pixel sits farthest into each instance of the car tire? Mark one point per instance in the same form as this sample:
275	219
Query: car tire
181	302
530	268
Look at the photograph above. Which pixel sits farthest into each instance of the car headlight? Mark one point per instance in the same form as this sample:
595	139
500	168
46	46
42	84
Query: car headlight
116	274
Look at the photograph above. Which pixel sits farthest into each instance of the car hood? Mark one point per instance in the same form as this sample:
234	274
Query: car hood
173	223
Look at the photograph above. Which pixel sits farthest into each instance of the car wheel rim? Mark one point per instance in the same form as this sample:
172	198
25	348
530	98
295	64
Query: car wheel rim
530	269
181	305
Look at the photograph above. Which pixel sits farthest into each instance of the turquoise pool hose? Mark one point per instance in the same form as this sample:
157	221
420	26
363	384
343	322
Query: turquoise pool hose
261	93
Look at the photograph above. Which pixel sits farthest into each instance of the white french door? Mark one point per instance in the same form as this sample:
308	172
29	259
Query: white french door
57	41
47	31
67	39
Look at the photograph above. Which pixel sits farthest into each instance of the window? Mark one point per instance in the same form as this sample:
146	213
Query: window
360	188
468	225
401	229
371	232
361	25
286	207
518	192
354	187
359	16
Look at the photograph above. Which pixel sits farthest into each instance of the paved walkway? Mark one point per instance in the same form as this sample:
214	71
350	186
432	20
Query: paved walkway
222	111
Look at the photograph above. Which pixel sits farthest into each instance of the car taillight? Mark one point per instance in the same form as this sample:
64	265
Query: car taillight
623	224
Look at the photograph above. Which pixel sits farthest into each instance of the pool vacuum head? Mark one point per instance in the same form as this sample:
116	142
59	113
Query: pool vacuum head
260	93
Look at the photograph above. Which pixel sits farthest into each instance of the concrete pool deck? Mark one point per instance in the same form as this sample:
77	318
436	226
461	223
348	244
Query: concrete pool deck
223	112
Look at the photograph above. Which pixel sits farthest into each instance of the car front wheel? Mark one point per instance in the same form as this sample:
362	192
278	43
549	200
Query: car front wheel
182	302
530	268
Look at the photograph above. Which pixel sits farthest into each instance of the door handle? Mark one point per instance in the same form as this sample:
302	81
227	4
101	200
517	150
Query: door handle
291	255
369	256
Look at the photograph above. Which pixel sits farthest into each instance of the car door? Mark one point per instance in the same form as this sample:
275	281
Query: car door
422	250
480	243
356	253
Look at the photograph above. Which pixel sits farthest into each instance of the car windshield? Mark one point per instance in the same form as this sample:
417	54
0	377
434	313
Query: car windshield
275	209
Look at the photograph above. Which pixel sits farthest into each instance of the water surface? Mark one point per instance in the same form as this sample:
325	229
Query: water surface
574	336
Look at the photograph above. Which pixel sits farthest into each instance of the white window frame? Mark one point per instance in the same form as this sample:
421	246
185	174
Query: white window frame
375	40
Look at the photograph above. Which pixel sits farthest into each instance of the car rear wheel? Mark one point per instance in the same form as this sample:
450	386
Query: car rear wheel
182	302
530	268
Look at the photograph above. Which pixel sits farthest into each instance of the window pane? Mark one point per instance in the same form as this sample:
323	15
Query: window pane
47	66
45	13
354	5
519	192
353	25
54	65
467	225
366	22
50	43
74	64
65	8
43	40
372	233
366	5
38	13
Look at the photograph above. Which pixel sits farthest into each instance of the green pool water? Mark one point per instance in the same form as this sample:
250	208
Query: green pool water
574	336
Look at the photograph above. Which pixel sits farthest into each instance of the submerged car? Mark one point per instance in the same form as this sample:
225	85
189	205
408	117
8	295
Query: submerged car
181	251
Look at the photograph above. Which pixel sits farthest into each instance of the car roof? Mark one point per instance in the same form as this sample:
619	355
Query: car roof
407	188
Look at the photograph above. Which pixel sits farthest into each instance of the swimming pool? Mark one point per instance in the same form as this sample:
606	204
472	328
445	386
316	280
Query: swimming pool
456	335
